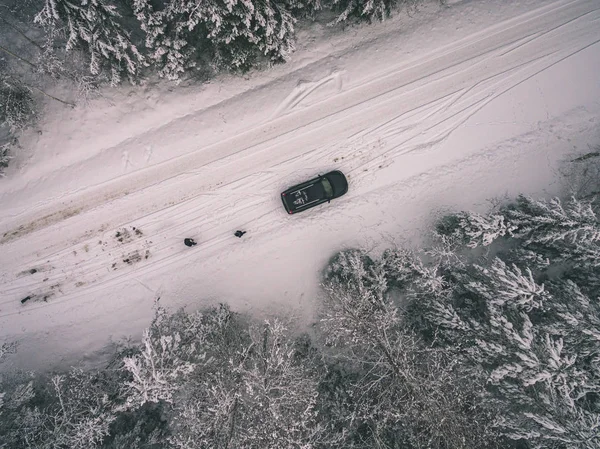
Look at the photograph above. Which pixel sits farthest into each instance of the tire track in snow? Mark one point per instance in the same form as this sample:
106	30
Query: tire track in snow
61	256
304	90
268	225
553	16
101	259
456	103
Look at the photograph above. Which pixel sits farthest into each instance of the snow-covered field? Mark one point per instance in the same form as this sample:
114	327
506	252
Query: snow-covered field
445	109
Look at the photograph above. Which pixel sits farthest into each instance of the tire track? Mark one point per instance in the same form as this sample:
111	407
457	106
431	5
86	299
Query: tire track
423	69
461	89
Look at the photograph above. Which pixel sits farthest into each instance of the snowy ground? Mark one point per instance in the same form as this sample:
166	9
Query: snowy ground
444	109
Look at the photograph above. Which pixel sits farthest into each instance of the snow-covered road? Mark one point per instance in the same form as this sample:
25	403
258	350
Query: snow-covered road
93	238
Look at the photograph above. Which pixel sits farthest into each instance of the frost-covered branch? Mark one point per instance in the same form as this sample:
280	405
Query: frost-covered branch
93	26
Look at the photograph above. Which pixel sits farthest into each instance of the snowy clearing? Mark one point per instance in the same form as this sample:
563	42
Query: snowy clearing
446	110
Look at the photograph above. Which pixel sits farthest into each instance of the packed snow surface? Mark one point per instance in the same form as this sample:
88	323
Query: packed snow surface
444	109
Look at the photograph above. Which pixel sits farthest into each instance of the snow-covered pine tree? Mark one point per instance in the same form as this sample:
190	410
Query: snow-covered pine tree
72	410
7	348
169	40
539	224
552	237
552	223
223	383
398	391
16	104
300	8
172	347
225	34
5	156
250	31
473	229
568	234
546	370
261	395
17	110
527	257
582	176
404	269
504	286
368	10
93	26
538	341
568	384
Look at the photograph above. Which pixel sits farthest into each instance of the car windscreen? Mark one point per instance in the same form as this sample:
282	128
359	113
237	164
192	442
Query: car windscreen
327	188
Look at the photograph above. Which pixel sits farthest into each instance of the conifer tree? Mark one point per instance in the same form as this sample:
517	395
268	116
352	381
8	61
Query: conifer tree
551	222
169	41
16	104
93	26
534	330
73	410
363	9
399	391
226	384
223	35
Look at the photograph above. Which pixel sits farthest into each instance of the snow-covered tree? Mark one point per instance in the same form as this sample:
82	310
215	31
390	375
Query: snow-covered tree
398	391
17	110
169	41
364	9
262	396
16	104
171	348
551	222
224	383
582	177
251	31
525	319
7	348
477	230
535	331
541	356
231	34
72	411
93	26
552	237
5	156
142	428
526	257
534	222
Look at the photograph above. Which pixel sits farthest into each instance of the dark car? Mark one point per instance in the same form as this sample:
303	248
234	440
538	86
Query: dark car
314	192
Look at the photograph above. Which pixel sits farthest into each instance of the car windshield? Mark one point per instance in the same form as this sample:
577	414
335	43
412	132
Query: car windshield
327	187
